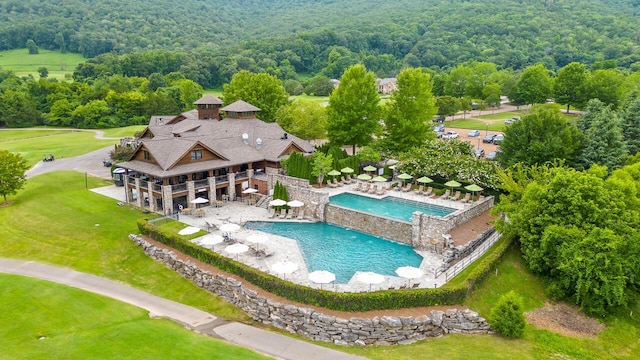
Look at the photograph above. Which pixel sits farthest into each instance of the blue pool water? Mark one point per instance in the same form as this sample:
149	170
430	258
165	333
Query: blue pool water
342	251
390	206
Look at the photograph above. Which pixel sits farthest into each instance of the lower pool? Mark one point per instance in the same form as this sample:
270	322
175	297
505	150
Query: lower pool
340	250
390	206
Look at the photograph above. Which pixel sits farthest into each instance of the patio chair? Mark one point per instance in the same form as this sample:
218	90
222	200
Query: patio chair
345	181
336	183
330	184
364	188
372	189
210	226
381	190
455	197
283	213
301	214
272	212
420	190
445	196
428	192
358	186
466	198
407	188
480	198
289	214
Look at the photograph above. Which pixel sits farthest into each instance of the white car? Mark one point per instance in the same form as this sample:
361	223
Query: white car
473	133
450	135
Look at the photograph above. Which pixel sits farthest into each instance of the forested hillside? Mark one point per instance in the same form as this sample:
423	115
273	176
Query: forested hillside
436	34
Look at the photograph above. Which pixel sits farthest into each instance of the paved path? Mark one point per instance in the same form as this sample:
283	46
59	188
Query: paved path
90	163
262	341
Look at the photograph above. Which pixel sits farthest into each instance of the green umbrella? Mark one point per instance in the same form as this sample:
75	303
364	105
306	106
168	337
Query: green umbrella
424	180
347	170
473	187
452	183
334	173
370	168
379	179
364	177
405	176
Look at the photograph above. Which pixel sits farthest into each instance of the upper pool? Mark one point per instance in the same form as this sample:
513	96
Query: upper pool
389	206
342	251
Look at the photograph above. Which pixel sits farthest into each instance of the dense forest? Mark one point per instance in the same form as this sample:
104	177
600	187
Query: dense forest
286	38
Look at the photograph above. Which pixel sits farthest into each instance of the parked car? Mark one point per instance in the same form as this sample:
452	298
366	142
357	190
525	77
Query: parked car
439	128
512	120
439	118
478	153
492	155
488	139
498	138
473	133
450	135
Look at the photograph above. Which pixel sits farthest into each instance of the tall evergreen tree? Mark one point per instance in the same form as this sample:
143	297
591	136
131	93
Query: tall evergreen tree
603	142
354	110
409	112
630	115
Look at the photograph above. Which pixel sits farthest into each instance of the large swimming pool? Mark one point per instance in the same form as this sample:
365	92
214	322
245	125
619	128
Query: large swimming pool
342	251
390	206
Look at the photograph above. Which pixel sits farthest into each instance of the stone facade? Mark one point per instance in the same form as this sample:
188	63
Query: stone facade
380	226
379	330
300	189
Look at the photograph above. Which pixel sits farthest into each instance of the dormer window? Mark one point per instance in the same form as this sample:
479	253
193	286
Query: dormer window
196	154
146	155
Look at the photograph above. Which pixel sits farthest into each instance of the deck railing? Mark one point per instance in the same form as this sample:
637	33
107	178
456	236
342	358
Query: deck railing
179	188
222	179
451	272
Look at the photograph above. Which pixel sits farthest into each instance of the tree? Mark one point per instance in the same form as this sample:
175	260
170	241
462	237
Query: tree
293	87
447	105
12	173
539	137
507	318
569	86
319	85
603	142
262	90
354	111
534	85
409	112
630	116
18	109
32	47
606	86
305	119
156	81
321	165
491	95
43	72
59	40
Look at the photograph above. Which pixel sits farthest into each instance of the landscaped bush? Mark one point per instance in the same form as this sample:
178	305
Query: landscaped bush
506	317
385	299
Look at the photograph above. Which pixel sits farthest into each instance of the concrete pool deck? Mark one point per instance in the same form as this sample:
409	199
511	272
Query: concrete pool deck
287	249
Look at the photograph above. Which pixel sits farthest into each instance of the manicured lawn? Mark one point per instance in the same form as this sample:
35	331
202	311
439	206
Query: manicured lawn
44	320
473	124
32	144
22	63
15	134
55	220
128	131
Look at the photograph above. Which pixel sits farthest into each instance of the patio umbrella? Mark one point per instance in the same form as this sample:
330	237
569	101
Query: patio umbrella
211	240
229	227
249	191
322	277
370	168
199	201
237	249
364	177
277	202
347	170
409	272
425	180
284	267
370	278
257	239
295	203
188	230
379	179
405	176
473	188
334	173
452	183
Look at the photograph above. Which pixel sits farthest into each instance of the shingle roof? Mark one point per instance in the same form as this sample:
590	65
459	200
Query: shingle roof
207	100
240	106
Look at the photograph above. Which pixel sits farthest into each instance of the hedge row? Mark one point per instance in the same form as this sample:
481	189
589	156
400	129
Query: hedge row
378	300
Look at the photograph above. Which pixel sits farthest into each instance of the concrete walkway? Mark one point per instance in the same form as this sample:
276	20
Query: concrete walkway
262	341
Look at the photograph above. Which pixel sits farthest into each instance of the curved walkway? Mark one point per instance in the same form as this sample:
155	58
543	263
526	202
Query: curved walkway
262	341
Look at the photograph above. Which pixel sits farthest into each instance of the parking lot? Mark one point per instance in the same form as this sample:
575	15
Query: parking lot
475	141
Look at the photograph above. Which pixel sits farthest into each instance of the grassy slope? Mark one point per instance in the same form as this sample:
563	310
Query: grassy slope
21	63
81	325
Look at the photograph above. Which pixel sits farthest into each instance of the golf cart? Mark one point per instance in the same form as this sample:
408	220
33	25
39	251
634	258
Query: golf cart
106	162
48	157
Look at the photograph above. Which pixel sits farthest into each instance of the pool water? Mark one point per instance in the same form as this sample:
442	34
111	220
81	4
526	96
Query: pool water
342	251
390	206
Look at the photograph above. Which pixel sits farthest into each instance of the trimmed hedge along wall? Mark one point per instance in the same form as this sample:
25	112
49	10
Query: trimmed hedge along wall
377	300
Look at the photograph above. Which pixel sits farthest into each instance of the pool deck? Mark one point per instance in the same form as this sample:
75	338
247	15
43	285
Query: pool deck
287	249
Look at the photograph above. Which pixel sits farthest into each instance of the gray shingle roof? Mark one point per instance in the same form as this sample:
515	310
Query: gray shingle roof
208	99
240	106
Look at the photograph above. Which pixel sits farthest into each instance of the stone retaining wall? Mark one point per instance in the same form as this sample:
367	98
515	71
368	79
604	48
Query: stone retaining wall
383	330
368	223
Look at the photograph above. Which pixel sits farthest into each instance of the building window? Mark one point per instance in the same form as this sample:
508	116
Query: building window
146	155
247	113
196	154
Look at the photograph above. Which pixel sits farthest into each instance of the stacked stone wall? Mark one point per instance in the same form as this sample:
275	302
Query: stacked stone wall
379	330
371	224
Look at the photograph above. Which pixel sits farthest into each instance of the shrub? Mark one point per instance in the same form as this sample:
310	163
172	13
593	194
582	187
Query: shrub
507	318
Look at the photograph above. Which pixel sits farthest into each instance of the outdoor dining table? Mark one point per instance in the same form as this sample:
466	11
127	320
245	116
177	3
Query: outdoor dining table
187	211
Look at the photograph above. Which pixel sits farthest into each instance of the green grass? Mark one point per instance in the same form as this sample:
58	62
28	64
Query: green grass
473	124
17	134
79	325
128	131
56	220
33	144
21	63
318	99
